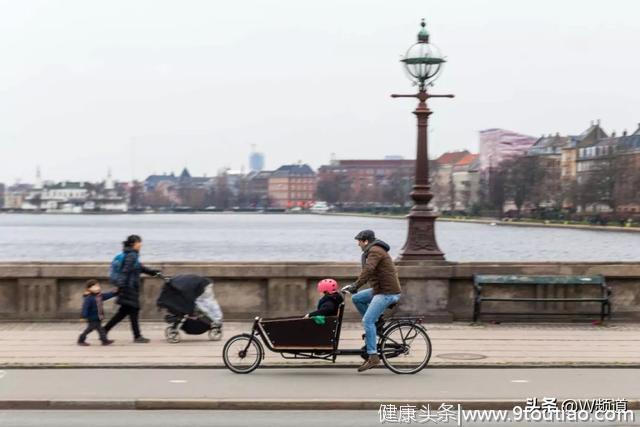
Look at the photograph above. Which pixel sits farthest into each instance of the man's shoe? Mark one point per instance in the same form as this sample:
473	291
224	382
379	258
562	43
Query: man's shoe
141	340
83	344
371	362
107	342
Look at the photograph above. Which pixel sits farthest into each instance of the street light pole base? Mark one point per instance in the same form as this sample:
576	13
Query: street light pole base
421	246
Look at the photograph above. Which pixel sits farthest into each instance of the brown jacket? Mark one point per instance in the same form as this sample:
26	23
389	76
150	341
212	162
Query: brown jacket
379	270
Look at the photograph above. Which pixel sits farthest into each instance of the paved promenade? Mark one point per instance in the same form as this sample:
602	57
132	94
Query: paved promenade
454	345
324	388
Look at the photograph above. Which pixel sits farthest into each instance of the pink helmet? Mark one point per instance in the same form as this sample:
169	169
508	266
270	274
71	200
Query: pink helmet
327	285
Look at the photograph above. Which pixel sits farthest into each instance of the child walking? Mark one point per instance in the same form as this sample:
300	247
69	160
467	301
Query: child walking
92	311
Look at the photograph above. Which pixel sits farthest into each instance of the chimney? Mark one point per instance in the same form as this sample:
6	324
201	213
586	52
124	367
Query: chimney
624	132
613	134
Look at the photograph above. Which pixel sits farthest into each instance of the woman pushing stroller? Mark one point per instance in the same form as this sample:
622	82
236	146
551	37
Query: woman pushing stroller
125	272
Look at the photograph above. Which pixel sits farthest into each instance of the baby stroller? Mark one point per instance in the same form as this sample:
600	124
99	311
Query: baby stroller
192	307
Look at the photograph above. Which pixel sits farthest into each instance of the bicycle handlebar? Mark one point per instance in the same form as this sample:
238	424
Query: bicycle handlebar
347	290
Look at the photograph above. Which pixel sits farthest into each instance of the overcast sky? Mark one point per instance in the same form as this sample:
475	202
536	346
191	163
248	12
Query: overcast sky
152	86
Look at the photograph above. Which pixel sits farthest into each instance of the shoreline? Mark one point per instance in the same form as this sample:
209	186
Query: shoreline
485	221
498	222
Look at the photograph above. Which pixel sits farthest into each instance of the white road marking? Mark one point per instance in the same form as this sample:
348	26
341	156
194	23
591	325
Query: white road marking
177	381
2	374
519	381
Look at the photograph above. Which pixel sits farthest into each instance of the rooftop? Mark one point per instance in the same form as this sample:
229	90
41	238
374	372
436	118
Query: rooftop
452	158
296	170
468	159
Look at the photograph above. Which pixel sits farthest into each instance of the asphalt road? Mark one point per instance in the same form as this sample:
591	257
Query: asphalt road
223	418
318	383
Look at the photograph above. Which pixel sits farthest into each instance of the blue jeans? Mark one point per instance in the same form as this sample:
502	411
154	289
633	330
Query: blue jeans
371	307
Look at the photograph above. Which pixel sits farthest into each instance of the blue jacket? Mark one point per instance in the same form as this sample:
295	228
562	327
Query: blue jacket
92	305
129	279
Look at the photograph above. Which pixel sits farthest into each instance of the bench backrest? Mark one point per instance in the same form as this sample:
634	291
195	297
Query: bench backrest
494	279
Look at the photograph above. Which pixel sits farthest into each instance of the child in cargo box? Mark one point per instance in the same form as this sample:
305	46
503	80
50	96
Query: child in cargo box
331	299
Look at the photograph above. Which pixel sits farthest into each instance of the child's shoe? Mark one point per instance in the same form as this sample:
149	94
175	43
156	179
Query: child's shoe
107	342
83	344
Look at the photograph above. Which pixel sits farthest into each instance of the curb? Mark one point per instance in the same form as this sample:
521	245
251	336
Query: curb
259	405
567	365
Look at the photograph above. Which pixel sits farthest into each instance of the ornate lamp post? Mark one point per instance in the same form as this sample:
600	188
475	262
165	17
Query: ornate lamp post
423	62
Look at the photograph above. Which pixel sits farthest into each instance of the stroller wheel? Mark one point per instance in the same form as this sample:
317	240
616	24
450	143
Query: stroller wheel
215	333
172	335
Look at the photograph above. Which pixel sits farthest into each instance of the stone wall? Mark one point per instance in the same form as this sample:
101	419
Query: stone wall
443	292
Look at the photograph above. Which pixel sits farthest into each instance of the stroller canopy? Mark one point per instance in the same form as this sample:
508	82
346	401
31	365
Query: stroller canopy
180	293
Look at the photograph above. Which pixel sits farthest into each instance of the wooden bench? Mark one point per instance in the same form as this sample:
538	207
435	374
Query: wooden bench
480	280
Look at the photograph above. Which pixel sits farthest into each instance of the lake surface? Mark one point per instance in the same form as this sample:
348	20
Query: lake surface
288	237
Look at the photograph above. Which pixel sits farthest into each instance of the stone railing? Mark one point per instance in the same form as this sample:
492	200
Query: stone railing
444	292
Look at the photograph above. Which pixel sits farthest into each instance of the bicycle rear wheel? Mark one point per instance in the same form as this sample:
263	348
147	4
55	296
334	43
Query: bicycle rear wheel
405	348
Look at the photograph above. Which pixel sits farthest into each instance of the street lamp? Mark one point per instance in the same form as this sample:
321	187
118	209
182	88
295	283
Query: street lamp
423	63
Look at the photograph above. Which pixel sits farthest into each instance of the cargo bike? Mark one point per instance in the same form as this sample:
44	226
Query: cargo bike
403	343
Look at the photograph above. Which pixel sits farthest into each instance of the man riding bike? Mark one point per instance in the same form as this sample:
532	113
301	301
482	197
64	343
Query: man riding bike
379	271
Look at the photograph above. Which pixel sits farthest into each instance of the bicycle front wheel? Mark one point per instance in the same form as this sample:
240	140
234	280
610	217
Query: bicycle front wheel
242	354
405	348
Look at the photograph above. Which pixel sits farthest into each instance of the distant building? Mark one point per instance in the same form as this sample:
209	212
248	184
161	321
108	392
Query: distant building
108	197
153	181
466	182
595	148
367	180
256	161
186	180
495	147
591	173
595	163
15	195
168	190
2	188
66	196
442	179
498	145
627	191
292	186
551	145
257	188
76	197
558	156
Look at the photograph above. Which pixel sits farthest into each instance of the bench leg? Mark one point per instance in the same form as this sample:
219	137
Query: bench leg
476	310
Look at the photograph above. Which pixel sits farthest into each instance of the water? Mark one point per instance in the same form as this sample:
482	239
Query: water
259	237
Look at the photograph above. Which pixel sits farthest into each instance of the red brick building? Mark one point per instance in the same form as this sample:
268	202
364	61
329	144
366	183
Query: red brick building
291	186
365	181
